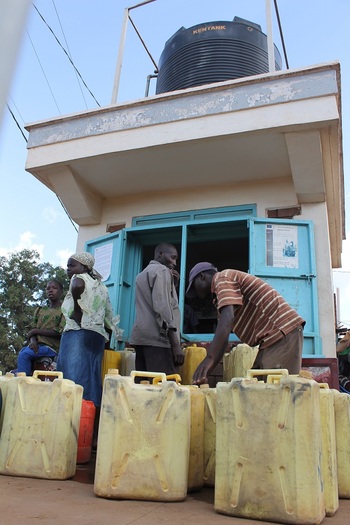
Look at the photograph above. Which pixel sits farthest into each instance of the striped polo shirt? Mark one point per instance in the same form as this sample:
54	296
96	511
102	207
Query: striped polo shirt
261	315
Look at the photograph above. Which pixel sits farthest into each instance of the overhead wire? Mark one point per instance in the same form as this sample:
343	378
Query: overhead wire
78	74
70	54
47	81
26	140
43	71
17	123
66	53
18	111
67	213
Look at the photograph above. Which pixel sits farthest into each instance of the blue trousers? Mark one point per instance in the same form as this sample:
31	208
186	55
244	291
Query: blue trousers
27	356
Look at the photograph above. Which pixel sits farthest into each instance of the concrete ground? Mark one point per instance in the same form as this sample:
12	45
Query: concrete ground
31	501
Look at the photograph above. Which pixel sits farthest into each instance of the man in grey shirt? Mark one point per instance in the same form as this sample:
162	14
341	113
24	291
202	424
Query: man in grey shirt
156	332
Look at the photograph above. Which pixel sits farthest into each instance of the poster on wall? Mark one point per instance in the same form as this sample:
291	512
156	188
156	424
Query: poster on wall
282	246
103	260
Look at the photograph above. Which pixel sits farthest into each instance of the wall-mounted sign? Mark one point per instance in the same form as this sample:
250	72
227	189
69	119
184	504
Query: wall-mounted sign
103	260
282	246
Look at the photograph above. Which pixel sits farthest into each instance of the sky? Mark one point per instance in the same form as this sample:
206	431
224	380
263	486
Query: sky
45	85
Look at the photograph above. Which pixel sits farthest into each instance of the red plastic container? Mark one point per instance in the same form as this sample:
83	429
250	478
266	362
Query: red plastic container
86	430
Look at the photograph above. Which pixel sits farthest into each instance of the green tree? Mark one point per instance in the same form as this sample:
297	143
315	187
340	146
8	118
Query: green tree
23	280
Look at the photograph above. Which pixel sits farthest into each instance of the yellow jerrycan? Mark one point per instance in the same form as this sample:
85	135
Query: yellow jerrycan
269	449
195	479
329	449
209	452
196	464
237	362
193	356
144	439
111	359
3	389
39	437
342	432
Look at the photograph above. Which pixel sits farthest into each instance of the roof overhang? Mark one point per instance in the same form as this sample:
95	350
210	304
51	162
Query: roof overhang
279	125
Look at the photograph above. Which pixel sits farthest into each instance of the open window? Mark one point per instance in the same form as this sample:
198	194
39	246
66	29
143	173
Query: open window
223	244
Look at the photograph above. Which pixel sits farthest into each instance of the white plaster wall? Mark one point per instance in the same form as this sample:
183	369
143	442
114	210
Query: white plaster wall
276	193
318	214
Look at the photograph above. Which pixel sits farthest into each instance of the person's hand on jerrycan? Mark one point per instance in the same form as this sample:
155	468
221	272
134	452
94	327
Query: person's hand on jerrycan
200	375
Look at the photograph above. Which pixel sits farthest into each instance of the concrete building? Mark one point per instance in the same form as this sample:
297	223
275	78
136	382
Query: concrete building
245	173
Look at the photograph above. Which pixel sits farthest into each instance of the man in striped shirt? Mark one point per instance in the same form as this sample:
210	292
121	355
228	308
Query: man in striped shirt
255	312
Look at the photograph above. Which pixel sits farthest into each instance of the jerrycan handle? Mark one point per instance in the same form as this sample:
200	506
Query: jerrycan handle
51	373
324	385
136	373
274	378
306	374
176	377
274	373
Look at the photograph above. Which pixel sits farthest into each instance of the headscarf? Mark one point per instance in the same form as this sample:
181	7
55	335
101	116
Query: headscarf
88	260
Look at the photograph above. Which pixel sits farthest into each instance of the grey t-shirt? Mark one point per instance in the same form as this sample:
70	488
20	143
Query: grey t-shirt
157	308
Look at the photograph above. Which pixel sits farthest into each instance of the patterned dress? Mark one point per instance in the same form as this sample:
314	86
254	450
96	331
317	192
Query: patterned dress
82	346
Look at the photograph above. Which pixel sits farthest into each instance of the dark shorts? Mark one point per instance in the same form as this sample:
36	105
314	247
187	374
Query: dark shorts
286	353
155	359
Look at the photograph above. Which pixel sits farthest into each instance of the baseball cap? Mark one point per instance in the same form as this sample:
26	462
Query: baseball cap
197	269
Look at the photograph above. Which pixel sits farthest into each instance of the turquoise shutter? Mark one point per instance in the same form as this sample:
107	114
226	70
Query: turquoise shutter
108	253
281	252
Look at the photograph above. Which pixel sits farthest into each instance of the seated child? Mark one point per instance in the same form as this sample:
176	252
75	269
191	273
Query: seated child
44	338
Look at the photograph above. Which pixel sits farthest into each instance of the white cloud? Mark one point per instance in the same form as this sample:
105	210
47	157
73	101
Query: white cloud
63	256
47	252
25	243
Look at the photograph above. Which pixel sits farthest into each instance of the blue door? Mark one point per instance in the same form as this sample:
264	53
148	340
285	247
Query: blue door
118	259
108	252
281	252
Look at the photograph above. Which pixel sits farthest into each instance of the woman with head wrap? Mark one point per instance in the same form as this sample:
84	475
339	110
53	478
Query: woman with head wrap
88	314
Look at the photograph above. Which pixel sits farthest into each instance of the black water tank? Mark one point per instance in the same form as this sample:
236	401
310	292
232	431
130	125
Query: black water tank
213	52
